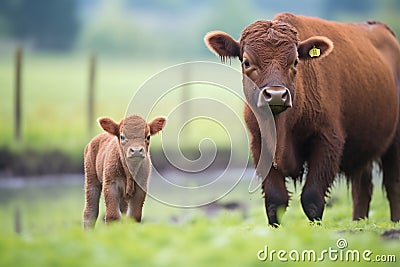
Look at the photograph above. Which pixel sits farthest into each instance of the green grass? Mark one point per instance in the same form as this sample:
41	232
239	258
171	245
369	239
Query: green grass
52	234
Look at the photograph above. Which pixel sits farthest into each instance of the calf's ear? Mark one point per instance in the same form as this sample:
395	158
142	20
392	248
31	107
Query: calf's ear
315	47
157	125
222	44
109	125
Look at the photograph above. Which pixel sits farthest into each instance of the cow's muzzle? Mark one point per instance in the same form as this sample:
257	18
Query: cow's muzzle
277	97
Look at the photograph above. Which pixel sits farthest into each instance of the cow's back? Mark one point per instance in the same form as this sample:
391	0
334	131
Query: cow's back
355	84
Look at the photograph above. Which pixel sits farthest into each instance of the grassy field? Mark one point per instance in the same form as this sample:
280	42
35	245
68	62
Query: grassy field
51	233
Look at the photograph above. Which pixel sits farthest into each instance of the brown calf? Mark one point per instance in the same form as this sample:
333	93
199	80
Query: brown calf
333	89
118	163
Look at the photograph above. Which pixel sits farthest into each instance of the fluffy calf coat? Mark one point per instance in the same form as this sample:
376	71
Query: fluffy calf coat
118	163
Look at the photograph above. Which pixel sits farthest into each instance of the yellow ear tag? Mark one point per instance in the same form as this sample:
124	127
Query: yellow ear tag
314	52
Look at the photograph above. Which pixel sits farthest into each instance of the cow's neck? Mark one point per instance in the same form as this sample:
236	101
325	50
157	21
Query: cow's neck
286	158
308	96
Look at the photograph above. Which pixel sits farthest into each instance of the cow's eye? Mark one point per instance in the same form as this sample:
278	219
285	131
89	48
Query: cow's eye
122	137
246	63
148	138
296	62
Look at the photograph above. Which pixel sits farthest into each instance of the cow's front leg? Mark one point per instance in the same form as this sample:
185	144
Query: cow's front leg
276	195
323	165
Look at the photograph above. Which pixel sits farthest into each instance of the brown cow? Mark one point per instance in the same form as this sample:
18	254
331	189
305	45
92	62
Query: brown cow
333	91
118	162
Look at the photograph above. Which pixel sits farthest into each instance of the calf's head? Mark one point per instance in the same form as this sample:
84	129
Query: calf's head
133	134
270	52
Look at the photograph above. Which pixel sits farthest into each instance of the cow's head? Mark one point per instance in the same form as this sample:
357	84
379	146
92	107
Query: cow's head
270	52
133	134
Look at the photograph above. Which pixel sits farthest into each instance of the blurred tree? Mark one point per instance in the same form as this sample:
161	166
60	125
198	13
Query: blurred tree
334	7
113	28
230	16
46	24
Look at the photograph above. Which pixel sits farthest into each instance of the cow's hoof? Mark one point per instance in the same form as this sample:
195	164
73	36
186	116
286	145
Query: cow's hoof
313	205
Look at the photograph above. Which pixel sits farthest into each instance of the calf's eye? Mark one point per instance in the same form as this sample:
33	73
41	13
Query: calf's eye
122	137
246	63
148	138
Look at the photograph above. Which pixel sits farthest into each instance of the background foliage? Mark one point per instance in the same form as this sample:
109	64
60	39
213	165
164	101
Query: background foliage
172	28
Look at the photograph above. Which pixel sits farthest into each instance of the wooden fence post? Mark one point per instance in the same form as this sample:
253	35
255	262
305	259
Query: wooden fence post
17	221
18	94
92	80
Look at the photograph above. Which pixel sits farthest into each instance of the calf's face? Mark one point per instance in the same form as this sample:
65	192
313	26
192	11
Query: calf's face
134	134
270	52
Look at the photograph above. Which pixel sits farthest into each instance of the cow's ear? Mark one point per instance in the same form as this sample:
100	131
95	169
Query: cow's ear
109	125
157	125
222	44
315	47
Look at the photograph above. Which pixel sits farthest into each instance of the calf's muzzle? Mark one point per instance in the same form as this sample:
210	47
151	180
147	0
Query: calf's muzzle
277	97
136	152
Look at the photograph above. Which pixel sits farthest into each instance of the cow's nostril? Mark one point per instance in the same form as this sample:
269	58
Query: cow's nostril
141	150
284	96
267	95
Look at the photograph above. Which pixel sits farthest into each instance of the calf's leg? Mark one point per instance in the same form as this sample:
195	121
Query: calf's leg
92	197
135	205
361	189
112	201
